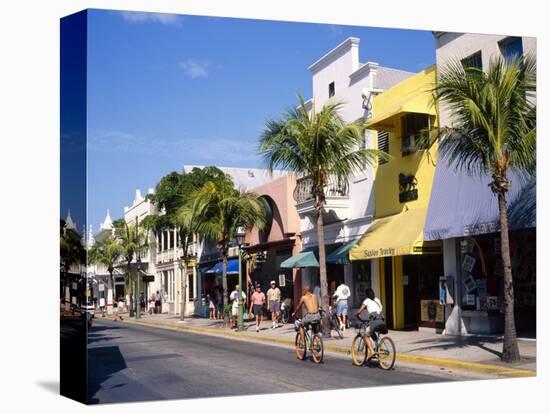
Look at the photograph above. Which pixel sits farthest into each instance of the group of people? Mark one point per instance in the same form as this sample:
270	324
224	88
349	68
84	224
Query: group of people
258	301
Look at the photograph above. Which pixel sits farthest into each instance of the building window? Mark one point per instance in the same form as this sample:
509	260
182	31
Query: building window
190	286
171	233
473	61
414	128
331	90
383	138
511	48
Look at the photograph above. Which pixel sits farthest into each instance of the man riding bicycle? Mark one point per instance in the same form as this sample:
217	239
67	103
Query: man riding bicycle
374	309
309	300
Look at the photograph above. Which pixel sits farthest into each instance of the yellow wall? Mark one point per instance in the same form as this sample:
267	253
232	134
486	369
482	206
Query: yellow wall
421	163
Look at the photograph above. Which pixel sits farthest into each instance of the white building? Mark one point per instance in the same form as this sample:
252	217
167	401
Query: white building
338	76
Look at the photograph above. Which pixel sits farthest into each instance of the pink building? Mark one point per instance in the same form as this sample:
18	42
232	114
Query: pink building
279	241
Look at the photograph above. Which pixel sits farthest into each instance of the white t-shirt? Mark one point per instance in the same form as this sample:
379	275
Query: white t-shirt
342	292
234	296
373	305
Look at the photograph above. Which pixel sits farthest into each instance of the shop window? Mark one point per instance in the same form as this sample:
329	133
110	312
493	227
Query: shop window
473	61
414	129
361	281
383	138
331	90
511	48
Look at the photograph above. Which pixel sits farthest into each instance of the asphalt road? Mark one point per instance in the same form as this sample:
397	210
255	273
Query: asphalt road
137	363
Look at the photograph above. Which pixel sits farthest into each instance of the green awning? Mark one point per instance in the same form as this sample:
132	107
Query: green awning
303	259
340	255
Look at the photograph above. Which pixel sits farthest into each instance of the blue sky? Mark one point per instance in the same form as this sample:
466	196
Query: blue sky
168	90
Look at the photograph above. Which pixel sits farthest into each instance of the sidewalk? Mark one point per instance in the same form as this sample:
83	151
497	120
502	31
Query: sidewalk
472	353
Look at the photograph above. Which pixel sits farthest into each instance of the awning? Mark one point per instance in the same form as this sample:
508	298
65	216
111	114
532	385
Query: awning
232	267
396	235
463	205
410	96
303	259
340	255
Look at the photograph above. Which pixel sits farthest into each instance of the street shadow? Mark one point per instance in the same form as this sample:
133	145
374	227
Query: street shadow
51	386
449	343
103	363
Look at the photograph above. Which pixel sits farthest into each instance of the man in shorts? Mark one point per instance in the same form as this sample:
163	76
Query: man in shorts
235	304
309	300
274	302
341	297
257	306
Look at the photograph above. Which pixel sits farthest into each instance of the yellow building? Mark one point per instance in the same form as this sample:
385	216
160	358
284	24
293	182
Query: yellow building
407	268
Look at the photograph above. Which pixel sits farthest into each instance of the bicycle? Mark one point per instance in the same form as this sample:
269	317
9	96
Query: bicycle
286	309
334	322
383	346
305	341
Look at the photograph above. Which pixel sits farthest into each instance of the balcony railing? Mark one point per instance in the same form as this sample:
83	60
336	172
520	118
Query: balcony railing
303	193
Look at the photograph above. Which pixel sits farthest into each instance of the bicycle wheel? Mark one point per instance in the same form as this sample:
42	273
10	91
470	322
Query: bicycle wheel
359	350
335	326
317	349
300	345
386	353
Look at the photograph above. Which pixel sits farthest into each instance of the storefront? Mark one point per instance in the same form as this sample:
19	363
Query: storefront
463	213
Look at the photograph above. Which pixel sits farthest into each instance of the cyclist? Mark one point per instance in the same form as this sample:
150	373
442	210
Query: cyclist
374	309
309	300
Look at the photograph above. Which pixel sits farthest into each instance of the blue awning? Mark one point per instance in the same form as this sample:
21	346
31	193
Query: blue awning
463	205
232	267
341	254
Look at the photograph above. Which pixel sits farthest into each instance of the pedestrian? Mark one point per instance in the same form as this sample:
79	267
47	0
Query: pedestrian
116	309
274	303
211	306
257	306
341	297
234	297
142	301
218	301
158	303
151	304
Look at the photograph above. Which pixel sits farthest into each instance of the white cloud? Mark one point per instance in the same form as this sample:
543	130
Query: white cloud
142	17
207	150
194	68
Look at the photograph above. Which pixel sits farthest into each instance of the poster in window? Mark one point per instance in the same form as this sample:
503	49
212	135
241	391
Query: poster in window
282	281
431	310
470	300
468	263
481	286
469	284
492	303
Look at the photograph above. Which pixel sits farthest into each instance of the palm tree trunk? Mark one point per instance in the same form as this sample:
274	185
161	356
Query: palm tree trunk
510	350
224	280
323	272
183	290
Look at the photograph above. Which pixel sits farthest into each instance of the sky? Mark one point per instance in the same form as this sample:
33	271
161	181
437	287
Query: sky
169	90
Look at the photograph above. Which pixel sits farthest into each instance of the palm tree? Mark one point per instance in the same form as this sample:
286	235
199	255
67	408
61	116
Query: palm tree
215	210
71	252
106	251
493	131
132	241
320	146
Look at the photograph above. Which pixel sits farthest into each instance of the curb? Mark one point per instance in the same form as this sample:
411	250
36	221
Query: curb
410	358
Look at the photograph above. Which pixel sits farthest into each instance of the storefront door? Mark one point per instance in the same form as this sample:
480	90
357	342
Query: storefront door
388	290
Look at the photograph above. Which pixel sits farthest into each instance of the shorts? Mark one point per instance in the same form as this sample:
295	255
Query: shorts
311	318
234	310
258	310
342	308
274	306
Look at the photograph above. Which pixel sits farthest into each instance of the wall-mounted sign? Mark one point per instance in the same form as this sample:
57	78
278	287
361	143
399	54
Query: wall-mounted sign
282	280
407	188
101	287
431	310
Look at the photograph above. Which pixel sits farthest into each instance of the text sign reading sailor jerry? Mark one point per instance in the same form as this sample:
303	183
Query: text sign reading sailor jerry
381	252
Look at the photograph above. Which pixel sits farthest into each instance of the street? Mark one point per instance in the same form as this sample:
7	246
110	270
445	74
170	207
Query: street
136	363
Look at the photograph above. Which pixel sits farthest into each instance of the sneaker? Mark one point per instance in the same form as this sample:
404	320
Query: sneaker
276	325
257	329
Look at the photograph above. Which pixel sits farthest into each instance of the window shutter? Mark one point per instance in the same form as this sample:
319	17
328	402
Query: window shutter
383	138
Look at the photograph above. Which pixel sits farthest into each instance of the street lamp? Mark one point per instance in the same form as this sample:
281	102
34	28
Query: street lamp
240	233
138	294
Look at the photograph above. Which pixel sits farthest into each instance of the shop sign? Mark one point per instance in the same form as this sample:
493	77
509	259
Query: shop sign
431	310
101	302
381	252
407	188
